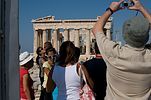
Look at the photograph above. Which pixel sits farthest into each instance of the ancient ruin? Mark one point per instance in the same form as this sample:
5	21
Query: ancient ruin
76	30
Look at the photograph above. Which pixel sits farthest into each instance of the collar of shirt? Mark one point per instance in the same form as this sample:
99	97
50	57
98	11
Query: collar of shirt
134	48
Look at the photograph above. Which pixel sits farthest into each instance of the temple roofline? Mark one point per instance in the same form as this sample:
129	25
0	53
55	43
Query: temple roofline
51	19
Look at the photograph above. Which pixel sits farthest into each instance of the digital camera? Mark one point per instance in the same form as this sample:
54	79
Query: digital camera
127	3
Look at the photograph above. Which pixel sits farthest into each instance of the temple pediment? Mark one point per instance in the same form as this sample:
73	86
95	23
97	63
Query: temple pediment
43	19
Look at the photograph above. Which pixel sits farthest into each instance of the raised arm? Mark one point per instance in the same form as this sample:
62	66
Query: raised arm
139	7
103	19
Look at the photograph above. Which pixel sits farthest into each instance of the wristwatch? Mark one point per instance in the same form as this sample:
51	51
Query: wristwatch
110	10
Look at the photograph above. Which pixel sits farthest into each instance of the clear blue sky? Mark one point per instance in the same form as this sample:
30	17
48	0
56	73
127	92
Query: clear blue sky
65	9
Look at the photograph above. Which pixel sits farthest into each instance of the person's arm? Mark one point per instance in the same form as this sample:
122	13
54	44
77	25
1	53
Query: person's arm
107	47
46	71
46	67
103	19
139	7
50	86
26	86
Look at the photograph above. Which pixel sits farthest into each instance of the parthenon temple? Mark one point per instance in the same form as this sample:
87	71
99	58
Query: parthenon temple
76	30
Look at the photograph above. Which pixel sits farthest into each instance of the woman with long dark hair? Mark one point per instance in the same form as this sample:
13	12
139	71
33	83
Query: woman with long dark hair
64	75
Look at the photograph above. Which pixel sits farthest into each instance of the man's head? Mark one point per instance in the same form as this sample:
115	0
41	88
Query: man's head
47	45
136	31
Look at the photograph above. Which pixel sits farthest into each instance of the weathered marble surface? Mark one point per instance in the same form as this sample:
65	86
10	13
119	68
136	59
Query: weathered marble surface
34	74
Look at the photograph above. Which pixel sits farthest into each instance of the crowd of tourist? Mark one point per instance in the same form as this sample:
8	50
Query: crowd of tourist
118	72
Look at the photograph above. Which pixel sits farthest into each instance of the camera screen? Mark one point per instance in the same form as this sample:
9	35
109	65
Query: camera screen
125	4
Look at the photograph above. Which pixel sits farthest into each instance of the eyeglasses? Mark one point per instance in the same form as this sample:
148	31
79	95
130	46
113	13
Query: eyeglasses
40	49
53	58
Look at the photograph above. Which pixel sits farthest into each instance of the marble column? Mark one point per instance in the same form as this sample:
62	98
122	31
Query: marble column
72	35
108	34
35	43
44	36
40	38
55	37
59	39
66	34
49	35
87	42
77	40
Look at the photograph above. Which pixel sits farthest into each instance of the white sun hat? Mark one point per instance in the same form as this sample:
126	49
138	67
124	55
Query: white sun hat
25	57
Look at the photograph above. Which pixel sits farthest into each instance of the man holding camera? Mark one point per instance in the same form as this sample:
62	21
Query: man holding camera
128	66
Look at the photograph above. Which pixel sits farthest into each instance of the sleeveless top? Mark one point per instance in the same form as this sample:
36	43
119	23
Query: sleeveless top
67	81
23	72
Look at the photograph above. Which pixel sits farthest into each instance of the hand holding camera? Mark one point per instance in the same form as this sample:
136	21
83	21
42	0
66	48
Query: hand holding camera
132	4
122	4
137	5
